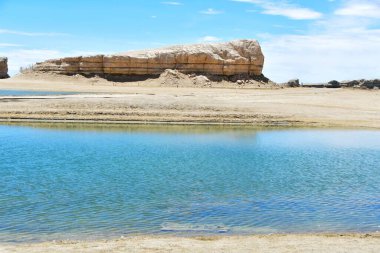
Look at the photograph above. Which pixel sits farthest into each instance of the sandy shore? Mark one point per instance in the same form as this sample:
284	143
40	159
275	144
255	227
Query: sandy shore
353	243
129	103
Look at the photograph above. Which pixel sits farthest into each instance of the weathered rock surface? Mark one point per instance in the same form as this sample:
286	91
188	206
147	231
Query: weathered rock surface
3	68
370	84
293	83
333	84
242	57
350	83
361	84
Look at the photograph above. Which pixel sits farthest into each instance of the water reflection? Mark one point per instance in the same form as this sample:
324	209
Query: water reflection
84	181
33	93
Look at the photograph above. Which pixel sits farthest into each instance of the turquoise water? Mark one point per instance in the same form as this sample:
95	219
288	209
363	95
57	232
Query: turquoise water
72	183
32	93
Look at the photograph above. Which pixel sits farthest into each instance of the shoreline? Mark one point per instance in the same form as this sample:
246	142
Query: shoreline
169	123
288	107
139	102
124	124
329	242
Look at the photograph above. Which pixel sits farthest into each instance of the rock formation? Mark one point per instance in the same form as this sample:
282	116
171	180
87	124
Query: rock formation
360	84
294	83
3	68
333	84
242	57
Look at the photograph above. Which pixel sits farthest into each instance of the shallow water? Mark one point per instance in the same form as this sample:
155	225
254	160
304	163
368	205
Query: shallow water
32	93
58	183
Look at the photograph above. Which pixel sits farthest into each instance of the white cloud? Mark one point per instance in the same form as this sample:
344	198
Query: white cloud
293	13
284	9
332	50
31	34
9	45
211	11
367	9
24	58
172	3
342	45
209	39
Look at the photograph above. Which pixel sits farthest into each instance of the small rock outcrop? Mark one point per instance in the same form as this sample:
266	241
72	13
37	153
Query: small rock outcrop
363	84
3	68
350	83
293	83
359	84
333	84
370	84
242	57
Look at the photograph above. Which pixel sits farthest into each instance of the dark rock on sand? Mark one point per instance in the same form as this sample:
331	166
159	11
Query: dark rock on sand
293	83
370	84
3	68
333	84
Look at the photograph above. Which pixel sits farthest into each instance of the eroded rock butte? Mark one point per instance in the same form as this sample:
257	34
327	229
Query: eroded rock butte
242	57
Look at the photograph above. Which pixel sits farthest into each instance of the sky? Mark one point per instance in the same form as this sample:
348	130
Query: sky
313	40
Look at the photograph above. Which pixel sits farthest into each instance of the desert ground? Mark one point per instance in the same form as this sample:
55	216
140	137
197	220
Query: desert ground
140	102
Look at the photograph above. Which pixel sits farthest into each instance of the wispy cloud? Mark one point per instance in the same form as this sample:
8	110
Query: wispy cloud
31	34
322	57
209	39
293	13
9	45
172	3
367	9
336	47
211	11
285	9
341	45
25	57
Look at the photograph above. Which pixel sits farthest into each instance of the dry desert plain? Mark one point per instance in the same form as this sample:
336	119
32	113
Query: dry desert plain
138	102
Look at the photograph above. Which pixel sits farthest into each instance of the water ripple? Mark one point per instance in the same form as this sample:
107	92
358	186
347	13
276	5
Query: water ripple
72	184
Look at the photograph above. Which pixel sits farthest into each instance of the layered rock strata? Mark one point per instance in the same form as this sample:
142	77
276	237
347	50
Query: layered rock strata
242	57
3	68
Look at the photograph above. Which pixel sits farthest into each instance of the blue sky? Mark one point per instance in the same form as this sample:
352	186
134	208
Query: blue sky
314	40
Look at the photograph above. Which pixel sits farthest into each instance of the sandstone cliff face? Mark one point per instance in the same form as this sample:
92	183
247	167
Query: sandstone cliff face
224	59
3	68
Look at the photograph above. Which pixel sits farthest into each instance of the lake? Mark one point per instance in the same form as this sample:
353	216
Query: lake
83	182
32	93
